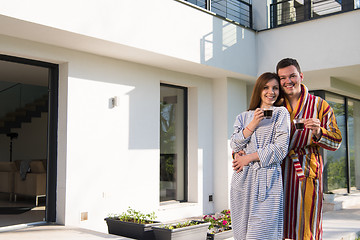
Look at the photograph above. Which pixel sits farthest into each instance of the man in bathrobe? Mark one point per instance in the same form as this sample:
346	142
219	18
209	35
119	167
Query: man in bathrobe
303	167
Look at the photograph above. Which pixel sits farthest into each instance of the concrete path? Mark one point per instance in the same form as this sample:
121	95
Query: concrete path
56	232
341	224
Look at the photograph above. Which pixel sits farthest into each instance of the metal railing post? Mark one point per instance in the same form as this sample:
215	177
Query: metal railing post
273	15
347	5
208	5
307	9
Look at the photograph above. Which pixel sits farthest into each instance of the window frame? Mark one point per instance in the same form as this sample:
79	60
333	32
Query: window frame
185	143
346	140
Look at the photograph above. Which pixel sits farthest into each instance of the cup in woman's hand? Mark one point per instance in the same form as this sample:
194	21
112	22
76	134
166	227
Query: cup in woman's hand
299	124
268	112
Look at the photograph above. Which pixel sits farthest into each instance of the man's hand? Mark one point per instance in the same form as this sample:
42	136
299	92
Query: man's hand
314	125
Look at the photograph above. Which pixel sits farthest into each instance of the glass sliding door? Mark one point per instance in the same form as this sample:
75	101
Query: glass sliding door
354	140
342	167
173	143
335	162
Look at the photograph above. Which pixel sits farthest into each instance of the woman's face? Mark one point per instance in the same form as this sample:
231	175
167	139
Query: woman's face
270	93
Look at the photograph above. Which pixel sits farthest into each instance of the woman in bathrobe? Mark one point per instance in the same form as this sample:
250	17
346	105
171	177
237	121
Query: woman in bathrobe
259	145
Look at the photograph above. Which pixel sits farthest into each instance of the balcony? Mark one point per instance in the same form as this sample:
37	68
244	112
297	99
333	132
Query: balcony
237	11
290	11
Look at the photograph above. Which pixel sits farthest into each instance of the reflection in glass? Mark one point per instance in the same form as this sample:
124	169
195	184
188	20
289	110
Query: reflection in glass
172	143
354	140
335	166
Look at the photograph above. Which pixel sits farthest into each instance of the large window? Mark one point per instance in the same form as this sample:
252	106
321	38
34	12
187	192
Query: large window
287	11
335	162
354	140
173	143
342	167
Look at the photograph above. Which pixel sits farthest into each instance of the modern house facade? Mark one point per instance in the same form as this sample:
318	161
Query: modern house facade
143	95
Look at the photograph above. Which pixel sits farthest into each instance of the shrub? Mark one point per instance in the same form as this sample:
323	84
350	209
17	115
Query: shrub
134	216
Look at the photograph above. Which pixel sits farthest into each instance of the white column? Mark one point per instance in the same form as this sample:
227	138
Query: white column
220	167
230	98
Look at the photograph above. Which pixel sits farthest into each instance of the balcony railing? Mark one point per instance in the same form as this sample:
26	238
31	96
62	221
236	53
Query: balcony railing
288	11
235	10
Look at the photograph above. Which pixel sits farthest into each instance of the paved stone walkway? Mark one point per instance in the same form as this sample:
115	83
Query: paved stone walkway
341	224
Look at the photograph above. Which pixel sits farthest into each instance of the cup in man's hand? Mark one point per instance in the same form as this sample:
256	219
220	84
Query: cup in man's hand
299	124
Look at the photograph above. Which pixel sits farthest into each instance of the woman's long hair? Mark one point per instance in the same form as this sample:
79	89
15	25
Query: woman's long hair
264	78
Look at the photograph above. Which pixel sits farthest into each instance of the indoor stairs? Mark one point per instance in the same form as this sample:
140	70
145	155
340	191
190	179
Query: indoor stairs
25	114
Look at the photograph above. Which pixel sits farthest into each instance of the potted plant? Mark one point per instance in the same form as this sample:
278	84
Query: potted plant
132	224
220	225
182	231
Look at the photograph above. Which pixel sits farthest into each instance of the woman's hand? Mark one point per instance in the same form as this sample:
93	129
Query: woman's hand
258	116
240	161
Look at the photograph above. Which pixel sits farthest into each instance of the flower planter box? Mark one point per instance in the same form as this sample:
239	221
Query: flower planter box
194	232
329	197
130	229
220	227
220	236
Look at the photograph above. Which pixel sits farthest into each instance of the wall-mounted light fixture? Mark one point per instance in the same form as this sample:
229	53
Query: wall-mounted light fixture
113	102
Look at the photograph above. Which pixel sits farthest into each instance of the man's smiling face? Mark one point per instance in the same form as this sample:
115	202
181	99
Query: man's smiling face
290	80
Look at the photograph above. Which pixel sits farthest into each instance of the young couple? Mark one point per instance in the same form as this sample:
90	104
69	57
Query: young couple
276	188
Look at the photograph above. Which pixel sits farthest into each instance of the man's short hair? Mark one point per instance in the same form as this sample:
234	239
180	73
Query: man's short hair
288	62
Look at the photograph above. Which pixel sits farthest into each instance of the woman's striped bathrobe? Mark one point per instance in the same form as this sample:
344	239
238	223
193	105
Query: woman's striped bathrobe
303	188
256	197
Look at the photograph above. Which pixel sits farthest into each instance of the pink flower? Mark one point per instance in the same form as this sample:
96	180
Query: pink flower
224	222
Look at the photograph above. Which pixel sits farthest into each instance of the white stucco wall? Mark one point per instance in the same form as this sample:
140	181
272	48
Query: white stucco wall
220	163
319	44
237	102
261	14
108	158
121	145
229	100
112	27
